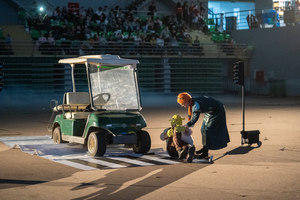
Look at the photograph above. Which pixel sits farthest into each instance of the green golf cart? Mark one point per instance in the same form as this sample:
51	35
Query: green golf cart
109	113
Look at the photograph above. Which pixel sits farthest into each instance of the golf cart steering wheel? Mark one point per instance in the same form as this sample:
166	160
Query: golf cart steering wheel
101	99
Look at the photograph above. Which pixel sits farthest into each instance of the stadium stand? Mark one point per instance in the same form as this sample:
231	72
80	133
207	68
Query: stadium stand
167	48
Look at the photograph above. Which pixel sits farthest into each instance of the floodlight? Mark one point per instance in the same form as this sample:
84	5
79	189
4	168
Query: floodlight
41	9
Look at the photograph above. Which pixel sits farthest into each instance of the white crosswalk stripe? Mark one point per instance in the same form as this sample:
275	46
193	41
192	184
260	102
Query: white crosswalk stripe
26	140
75	165
136	162
158	159
76	156
104	163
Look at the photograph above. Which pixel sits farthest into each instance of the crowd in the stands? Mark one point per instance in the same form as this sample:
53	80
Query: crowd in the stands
111	30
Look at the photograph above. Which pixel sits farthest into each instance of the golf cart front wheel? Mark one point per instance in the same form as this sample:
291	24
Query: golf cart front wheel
56	134
96	144
143	144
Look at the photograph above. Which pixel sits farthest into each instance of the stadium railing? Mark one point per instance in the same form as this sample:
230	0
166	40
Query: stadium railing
65	48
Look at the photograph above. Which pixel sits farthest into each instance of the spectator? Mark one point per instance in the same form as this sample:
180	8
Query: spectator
127	26
82	11
64	12
252	21
88	32
160	43
8	41
94	42
196	41
135	24
150	25
50	39
185	12
102	40
202	10
136	43
42	40
90	12
195	20
118	31
196	49
166	33
103	23
179	12
174	46
118	13
57	13
188	40
153	40
99	12
119	44
221	23
105	10
152	9
157	24
64	32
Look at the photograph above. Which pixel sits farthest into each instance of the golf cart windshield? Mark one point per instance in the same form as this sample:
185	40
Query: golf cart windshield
113	87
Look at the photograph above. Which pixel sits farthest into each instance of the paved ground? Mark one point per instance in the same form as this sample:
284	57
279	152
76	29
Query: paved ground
268	172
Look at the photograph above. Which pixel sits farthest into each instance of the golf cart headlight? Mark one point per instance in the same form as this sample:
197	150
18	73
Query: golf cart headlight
109	125
138	124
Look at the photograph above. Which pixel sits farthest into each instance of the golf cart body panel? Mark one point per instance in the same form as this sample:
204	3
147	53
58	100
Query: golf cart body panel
110	108
71	127
117	123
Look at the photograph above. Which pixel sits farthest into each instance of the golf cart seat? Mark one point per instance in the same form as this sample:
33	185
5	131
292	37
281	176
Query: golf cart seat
74	99
73	105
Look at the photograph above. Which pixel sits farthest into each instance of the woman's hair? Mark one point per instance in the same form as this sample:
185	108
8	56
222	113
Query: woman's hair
186	97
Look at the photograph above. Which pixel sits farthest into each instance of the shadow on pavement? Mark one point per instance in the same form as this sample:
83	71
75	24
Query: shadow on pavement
241	150
7	182
238	151
132	183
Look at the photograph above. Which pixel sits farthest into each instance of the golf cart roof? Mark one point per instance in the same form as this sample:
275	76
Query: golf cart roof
99	59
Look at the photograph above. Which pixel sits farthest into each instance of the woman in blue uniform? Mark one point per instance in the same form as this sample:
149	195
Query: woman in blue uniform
214	129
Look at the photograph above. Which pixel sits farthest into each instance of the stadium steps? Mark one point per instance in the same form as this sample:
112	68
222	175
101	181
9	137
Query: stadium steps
18	34
210	49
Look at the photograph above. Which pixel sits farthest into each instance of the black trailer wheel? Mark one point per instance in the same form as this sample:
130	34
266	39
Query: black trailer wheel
259	143
96	144
56	134
143	142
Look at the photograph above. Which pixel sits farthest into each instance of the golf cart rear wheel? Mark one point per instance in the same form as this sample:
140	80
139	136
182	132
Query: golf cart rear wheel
96	144
143	142
56	134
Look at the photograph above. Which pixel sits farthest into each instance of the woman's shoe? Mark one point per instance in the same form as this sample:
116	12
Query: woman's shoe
201	150
203	155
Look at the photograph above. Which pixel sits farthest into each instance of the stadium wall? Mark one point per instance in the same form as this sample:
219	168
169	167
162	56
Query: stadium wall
276	54
263	4
8	12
